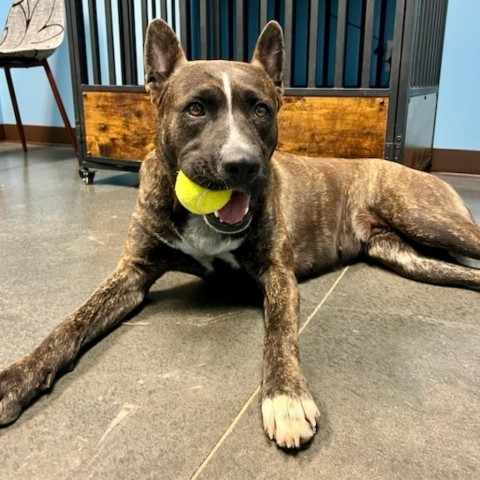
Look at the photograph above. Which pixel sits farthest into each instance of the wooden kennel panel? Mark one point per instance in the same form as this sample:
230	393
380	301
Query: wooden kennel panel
122	125
345	127
119	125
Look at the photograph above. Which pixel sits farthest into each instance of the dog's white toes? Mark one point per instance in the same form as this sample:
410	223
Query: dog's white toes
291	421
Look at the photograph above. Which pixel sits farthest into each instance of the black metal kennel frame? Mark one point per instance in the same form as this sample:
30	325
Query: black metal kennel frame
341	48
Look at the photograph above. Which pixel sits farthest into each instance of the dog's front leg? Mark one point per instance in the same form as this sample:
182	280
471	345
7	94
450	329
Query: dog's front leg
289	411
114	298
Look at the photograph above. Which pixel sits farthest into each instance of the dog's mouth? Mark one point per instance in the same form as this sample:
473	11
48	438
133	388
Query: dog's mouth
234	217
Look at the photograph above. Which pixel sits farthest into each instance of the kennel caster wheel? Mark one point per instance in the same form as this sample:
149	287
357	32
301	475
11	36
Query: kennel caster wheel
86	175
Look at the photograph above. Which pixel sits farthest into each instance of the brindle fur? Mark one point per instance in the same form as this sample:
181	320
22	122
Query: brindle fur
307	216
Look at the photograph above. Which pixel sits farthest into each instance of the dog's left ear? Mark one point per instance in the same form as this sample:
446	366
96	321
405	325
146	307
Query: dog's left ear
270	52
163	54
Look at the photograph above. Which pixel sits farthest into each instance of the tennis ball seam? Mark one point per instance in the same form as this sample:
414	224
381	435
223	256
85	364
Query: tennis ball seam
200	198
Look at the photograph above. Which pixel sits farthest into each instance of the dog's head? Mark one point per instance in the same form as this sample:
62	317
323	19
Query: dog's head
217	119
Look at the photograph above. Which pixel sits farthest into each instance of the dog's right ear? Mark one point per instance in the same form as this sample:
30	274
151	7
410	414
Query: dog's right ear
163	54
269	52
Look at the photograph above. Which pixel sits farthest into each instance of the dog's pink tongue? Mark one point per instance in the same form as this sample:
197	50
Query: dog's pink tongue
236	208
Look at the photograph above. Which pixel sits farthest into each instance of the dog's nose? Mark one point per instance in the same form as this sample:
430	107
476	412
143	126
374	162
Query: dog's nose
241	170
240	165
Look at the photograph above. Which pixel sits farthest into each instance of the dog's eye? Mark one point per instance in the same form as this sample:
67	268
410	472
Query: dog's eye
261	110
196	109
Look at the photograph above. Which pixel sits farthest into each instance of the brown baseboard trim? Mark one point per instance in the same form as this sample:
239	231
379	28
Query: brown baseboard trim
35	134
456	161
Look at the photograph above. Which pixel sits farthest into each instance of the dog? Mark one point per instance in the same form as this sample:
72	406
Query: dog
289	218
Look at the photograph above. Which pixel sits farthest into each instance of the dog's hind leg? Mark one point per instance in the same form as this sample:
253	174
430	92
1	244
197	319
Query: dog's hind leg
394	252
118	295
456	235
430	212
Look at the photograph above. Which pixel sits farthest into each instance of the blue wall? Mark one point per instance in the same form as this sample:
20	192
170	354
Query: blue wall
458	120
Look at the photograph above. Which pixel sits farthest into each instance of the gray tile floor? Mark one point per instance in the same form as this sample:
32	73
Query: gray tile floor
171	394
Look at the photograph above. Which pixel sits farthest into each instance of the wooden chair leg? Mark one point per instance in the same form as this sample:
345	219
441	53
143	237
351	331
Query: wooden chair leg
58	99
16	111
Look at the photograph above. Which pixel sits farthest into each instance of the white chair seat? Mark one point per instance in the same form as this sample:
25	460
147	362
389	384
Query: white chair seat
34	29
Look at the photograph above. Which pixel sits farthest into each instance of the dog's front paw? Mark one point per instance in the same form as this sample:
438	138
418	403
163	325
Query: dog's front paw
290	420
18	384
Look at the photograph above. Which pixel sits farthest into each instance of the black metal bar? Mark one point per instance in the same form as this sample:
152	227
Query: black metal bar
215	16
173	14
144	15
427	26
381	35
114	88
397	48
419	35
404	79
312	44
112	76
110	163
128	42
367	43
203	30
133	42
230	32
397	44
124	43
263	13
76	43
240	50
435	34
288	42
326	43
184	33
415	74
163	9
422	58
336	92
340	42
431	43
92	14
440	39
153	4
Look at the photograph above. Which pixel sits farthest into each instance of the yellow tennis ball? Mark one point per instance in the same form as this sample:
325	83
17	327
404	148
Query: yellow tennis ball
197	199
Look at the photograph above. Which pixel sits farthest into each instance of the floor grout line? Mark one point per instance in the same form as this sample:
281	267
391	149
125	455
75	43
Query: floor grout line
239	415
324	299
225	434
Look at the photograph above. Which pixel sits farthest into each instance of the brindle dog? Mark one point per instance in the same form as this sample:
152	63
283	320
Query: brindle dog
289	217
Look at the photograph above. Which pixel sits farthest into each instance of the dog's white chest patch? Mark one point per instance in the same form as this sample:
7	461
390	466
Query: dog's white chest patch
205	244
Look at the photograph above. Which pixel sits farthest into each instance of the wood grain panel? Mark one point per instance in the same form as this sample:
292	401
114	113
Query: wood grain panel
119	124
345	127
122	125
